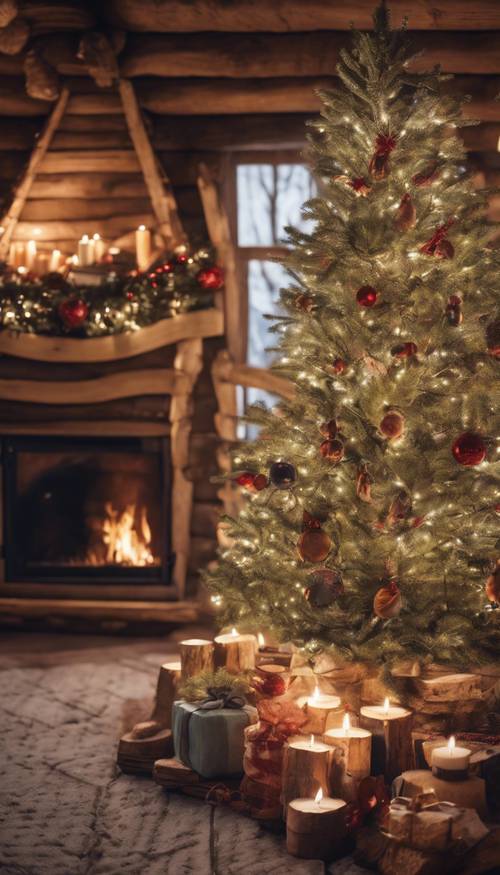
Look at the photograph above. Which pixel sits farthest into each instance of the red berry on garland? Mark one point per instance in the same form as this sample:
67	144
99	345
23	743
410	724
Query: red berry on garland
406	215
181	258
387	602
260	482
166	268
282	474
404	350
332	450
366	296
211	278
246	480
304	302
329	429
493	338
454	313
469	449
338	366
324	587
129	296
392	424
493	584
73	312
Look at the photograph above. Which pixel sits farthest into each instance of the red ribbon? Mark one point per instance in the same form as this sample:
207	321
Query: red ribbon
440	233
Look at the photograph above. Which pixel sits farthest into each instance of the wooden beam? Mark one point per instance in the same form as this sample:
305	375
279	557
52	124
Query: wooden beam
84	161
49	209
10	219
264	55
220	237
66	230
144	611
91	140
177	16
235	96
160	191
201	323
256	131
164	381
481	138
254	378
47	17
15	102
93	124
89	428
92	104
85	185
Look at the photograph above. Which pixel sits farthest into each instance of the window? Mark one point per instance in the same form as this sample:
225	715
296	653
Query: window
267	194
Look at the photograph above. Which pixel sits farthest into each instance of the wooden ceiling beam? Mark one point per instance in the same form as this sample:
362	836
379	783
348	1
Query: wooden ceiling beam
261	55
110	185
179	16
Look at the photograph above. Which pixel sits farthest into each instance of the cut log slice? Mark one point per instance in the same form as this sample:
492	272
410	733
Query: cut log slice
138	755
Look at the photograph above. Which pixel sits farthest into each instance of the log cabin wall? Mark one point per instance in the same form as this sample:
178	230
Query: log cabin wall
211	79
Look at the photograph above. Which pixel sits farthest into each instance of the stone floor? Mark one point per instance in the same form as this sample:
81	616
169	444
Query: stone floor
65	809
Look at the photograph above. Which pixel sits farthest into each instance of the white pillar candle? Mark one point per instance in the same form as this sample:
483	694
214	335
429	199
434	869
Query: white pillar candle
306	766
143	247
30	254
392	746
55	260
316	828
355	745
99	247
17	254
318	707
451	762
84	253
235	652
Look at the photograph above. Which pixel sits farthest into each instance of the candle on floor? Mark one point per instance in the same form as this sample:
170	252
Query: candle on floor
451	763
143	247
17	254
55	261
30	254
84	251
306	766
235	652
319	707
316	828
355	744
392	747
197	654
99	247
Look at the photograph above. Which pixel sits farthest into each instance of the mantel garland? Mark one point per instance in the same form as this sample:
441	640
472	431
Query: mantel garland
55	306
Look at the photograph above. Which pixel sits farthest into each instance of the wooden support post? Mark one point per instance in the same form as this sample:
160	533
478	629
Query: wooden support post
219	233
188	361
160	191
11	218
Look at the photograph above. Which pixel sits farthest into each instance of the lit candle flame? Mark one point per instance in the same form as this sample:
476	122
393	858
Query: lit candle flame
386	705
261	639
346	722
311	741
233	631
319	796
451	744
141	228
315	696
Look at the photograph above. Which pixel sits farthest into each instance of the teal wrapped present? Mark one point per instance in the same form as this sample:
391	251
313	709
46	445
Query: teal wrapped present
210	739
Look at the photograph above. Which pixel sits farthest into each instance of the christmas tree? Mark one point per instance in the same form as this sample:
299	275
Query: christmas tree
371	529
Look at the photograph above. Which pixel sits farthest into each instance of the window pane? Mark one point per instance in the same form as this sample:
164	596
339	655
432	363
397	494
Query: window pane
270	196
265	278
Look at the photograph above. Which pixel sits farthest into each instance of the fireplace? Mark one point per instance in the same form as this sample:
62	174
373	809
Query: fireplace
87	511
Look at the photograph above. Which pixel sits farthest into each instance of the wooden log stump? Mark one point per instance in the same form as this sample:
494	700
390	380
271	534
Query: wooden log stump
234	652
166	693
316	830
197	654
138	755
307	766
392	745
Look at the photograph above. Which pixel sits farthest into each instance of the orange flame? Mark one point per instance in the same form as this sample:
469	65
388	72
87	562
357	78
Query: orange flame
127	543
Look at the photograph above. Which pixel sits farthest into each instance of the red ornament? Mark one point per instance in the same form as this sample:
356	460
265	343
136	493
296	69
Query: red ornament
211	278
454	313
493	338
165	268
73	312
304	302
366	296
129	296
387	602
438	245
404	350
181	258
379	164
246	480
426	177
392	424
469	449
314	544
406	215
271	684
329	429
332	450
260	482
493	584
338	367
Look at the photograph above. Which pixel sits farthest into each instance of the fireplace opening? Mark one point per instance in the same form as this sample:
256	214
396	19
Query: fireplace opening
85	510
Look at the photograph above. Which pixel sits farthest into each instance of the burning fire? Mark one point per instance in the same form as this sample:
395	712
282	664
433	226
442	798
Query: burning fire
127	543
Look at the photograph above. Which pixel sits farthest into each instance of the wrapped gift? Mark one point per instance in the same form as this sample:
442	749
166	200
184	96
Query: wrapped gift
209	735
425	824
